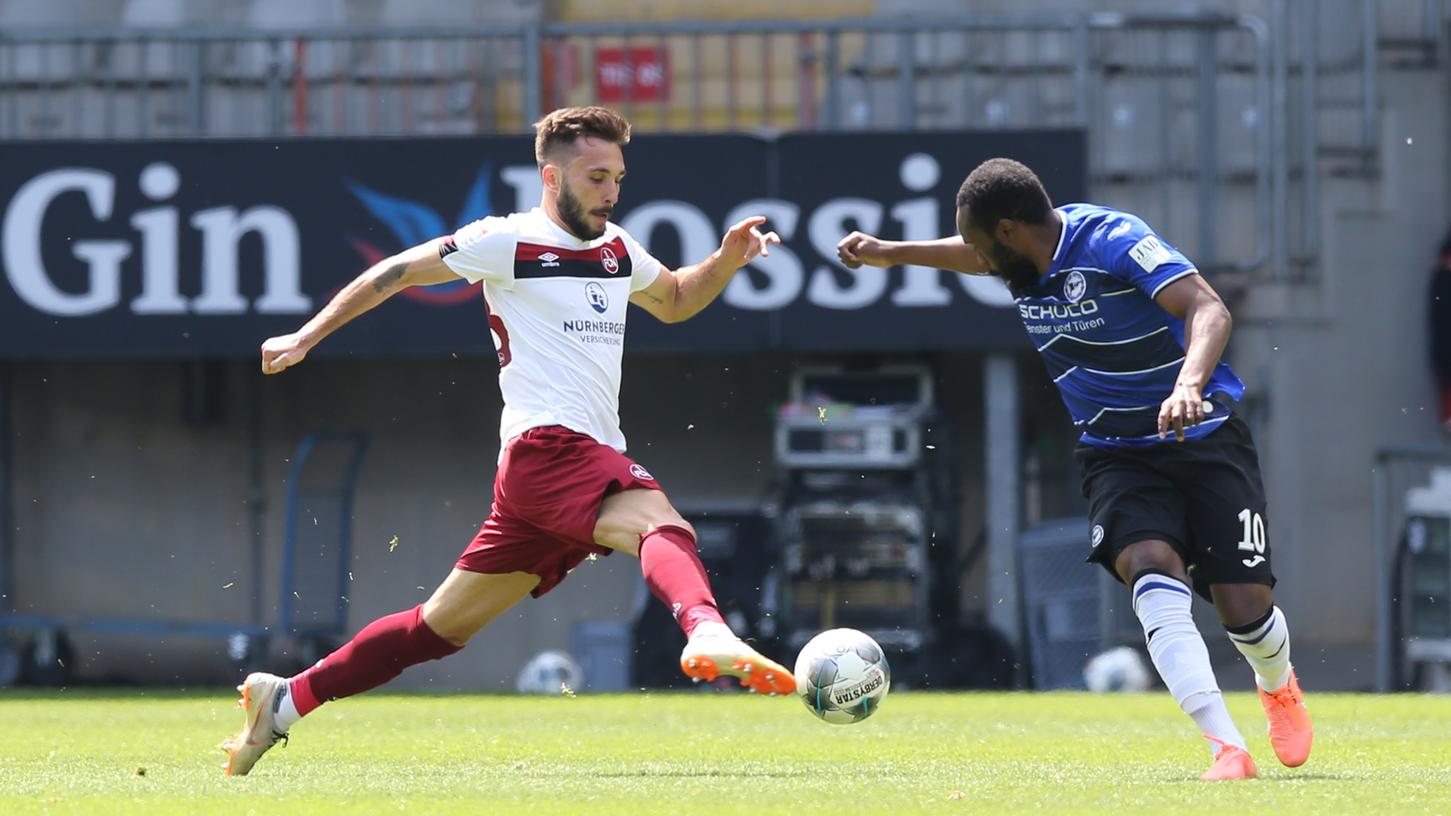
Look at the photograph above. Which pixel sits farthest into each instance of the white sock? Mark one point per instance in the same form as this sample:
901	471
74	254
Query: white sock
1179	654
286	711
1207	709
711	629
1267	648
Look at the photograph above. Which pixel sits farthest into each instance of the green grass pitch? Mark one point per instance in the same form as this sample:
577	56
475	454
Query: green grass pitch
710	753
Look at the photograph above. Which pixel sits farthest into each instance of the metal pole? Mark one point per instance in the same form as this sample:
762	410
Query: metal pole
1003	472
12	113
195	97
1082	80
274	87
906	79
1279	122
1309	133
1380	513
1370	38
1207	175
77	111
7	491
532	72
833	117
143	95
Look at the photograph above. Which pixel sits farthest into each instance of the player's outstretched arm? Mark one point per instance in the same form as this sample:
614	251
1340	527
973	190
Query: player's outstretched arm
420	266
1206	332
681	294
952	254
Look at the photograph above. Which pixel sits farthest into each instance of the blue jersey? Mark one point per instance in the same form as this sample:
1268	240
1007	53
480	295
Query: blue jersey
1112	351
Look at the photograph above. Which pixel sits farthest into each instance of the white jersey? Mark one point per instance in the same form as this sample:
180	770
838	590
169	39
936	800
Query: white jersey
557	313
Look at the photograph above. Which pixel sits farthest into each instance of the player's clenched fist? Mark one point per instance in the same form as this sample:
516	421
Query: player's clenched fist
859	248
282	352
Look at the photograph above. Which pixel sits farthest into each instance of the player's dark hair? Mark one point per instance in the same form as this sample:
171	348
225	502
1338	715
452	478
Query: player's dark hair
1003	188
562	127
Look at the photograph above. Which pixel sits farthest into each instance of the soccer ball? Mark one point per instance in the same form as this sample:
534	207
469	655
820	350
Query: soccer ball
842	676
1118	669
549	672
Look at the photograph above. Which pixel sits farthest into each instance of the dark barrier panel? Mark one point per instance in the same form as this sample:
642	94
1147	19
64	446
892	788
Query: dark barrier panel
206	248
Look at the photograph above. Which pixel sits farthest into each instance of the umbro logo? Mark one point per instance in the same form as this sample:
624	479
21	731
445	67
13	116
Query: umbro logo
549	259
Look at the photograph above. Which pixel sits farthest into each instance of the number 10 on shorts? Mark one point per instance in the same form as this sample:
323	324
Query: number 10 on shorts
1253	539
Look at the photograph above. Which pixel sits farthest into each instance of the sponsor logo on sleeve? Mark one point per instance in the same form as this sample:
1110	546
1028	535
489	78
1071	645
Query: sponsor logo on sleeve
1149	253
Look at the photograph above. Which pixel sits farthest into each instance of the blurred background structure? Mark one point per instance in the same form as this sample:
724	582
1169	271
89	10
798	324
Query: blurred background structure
154	529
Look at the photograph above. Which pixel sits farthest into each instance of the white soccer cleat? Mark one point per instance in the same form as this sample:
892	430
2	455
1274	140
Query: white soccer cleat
708	657
260	695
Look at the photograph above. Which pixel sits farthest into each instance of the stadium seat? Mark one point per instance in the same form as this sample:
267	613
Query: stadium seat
591	11
447	13
290	14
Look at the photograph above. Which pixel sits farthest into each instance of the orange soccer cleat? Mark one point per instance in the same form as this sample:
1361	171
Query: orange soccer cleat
1290	730
260	693
708	657
1230	762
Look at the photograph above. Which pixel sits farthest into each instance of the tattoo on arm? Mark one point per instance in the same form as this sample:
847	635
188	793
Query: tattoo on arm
390	277
653	299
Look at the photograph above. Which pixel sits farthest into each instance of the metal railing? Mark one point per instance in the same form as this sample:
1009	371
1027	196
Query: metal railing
1394	472
1191	118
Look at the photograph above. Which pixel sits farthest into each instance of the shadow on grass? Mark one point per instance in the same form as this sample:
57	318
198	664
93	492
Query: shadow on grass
1295	776
1277	777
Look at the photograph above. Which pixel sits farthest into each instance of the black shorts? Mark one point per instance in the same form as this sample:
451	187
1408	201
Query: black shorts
1202	496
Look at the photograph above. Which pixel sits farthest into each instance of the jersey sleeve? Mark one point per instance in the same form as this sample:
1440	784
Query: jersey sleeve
644	269
1133	252
482	251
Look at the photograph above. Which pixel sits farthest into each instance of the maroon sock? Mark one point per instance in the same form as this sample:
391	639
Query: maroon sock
675	575
374	656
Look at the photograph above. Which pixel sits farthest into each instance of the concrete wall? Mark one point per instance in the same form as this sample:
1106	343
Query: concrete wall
1344	364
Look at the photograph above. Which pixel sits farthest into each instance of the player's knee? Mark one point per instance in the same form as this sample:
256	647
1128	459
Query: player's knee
1149	556
449	624
672	520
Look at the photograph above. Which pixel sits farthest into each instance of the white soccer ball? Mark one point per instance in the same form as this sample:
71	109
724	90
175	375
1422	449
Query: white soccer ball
842	676
1118	669
551	672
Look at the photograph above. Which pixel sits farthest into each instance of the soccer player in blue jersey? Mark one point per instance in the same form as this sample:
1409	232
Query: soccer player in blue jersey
1132	336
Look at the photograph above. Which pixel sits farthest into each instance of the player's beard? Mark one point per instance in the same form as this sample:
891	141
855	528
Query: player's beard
571	212
1017	271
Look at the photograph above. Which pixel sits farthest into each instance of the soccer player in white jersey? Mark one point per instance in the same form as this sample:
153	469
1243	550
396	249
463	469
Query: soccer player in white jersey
557	279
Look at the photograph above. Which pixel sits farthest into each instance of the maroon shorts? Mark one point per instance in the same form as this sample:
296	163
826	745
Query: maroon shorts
547	495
